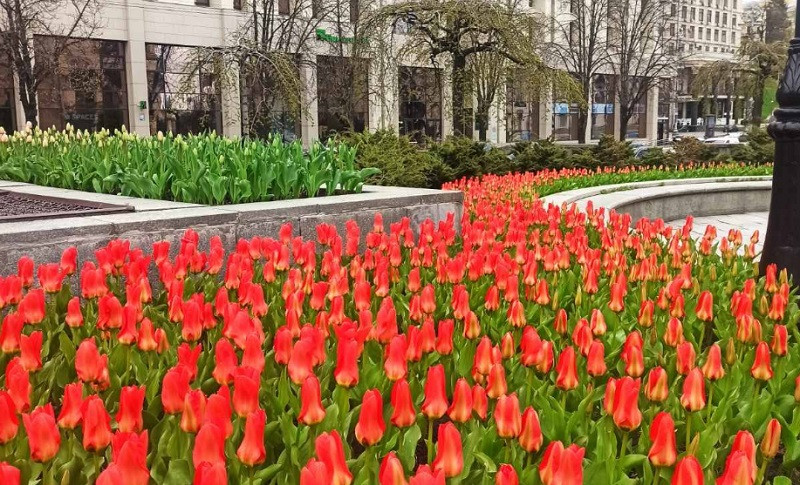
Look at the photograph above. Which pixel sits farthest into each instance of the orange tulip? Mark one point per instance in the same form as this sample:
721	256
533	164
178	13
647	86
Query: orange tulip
626	412
507	416
663	451
567	370
712	369
657	388
772	439
761	369
370	426
311	409
688	472
705	306
328	447
391	471
530	437
694	392
449	458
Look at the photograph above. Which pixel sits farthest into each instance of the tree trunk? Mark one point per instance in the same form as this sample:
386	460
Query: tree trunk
462	119
758	101
27	97
583	121
623	127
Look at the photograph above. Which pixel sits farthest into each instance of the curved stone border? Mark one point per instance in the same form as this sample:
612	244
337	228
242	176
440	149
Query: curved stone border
154	220
676	198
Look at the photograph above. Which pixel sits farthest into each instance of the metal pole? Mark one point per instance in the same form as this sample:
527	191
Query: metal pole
782	242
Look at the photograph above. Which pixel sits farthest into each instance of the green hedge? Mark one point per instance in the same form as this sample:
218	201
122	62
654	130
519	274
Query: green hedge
405	163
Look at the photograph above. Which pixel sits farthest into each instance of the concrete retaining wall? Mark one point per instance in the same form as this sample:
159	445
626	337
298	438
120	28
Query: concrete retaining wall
155	220
675	199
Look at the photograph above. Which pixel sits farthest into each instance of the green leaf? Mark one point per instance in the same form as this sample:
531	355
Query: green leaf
408	447
178	473
488	463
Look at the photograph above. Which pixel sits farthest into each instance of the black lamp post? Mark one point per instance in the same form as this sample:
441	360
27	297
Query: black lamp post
782	242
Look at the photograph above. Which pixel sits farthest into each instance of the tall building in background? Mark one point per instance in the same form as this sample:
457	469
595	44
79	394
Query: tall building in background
707	32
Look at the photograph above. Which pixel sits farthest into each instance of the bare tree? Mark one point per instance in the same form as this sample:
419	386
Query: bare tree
580	45
455	33
642	52
63	22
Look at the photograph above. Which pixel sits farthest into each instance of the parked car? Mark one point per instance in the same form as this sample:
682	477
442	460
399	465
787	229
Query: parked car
736	138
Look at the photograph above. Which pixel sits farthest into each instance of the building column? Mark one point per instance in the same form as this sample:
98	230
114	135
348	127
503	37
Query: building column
136	70
496	130
546	118
19	113
231	95
309	125
617	116
652	114
447	104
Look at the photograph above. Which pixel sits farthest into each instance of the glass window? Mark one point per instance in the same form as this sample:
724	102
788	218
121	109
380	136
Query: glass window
283	7
725	19
342	95
420	102
88	89
693	14
733	38
7	100
603	106
708	15
522	113
637	124
702	16
683	13
565	121
724	36
184	95
266	107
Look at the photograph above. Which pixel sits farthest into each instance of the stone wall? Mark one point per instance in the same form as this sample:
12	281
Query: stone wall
155	220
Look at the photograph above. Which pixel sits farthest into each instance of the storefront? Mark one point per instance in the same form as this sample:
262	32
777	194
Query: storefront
342	95
183	90
88	88
420	102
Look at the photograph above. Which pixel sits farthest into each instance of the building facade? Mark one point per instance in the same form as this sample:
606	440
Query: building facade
134	72
707	32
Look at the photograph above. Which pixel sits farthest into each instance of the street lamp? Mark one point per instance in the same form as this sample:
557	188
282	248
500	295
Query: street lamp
782	242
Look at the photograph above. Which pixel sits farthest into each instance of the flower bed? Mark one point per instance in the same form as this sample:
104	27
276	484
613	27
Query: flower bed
538	346
525	186
202	169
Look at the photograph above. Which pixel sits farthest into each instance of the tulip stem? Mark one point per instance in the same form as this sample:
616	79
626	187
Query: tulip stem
688	429
710	398
762	470
508	451
625	436
430	441
252	476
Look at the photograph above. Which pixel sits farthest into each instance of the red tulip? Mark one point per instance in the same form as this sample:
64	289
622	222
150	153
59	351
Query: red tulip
328	447
225	360
314	473
282	345
449	457
403	413
426	476
685	358
209	446
129	456
657	388
218	411
460	410
561	465
74	318
396	365
346	372
772	439
530	437
252	451
96	424
69	260
208	474
674	334
31	355
32	306
567	370
194	407
131	402
705	306
71	404
10	475
506	475
89	364
745	443
712	369
9	424
646	309
663	452
188	357
626	412
435	404
761	369
496	385
18	384
507	416
737	470
246	384
370	426
43	436
391	471
780	338
688	472
480	401
311	409
595	360
253	355
174	388
444	337
694	391
11	333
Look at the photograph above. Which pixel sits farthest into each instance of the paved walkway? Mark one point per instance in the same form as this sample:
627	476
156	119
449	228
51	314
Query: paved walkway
748	223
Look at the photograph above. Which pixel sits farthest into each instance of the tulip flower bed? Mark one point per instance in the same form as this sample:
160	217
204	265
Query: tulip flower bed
546	182
541	345
201	169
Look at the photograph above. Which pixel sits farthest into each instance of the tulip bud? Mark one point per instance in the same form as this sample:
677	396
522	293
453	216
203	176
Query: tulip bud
730	352
311	409
530	437
370	426
328	447
772	439
657	388
507	416
435	404
761	369
663	451
688	472
506	475
449	456
694	394
391	471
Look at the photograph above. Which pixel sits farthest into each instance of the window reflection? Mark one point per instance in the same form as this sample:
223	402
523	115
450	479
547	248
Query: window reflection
264	104
522	114
603	106
7	100
343	101
420	102
183	90
88	89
